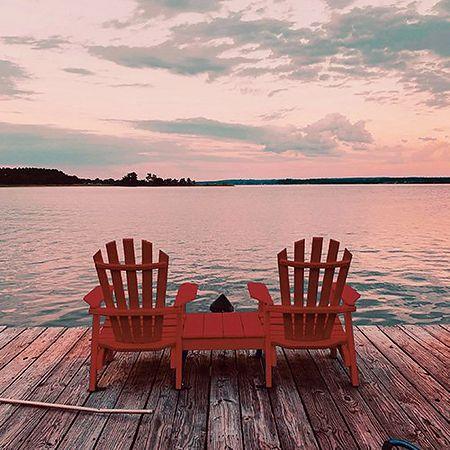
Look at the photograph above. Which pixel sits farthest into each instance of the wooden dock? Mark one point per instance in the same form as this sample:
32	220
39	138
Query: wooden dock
404	392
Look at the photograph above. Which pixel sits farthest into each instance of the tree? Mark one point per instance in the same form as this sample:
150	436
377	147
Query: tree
130	179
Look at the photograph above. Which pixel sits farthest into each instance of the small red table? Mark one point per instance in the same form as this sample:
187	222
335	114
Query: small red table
223	331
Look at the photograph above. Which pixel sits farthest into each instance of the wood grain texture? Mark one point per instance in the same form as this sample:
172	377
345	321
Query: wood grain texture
224	421
439	333
436	395
258	422
427	359
311	404
326	420
432	428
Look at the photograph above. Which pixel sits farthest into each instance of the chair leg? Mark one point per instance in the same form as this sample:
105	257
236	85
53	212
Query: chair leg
93	369
333	352
178	367
343	350
172	358
269	364
353	366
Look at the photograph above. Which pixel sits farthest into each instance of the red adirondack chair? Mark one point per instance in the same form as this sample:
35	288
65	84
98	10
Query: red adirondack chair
311	319
139	322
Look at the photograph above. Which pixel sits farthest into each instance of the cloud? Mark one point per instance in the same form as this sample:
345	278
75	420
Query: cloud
10	74
365	43
148	9
193	60
46	145
78	70
326	136
338	4
54	41
139	85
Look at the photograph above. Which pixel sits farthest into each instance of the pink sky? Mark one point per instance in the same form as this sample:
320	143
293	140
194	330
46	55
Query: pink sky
226	89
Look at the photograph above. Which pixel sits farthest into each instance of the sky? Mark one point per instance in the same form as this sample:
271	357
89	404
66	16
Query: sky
226	89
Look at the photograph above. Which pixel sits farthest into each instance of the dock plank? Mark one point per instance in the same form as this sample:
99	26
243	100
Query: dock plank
432	428
435	394
224	403
224	424
329	427
361	421
85	430
429	342
439	333
291	420
120	430
16	427
155	429
423	356
191	417
258	422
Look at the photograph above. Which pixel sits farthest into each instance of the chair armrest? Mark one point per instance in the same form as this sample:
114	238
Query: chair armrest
95	297
349	295
259	292
187	292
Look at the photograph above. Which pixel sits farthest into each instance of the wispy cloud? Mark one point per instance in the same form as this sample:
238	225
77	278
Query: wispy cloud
326	136
362	43
10	75
54	41
78	71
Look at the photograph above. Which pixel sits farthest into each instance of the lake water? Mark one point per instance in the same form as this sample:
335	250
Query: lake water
222	237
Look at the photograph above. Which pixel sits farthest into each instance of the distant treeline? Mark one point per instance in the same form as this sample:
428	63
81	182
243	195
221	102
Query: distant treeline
21	176
357	180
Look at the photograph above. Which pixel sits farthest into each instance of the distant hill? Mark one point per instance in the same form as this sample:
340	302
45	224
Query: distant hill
36	176
355	180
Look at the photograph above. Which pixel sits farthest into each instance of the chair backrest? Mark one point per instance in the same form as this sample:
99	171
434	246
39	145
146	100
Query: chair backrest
139	295
318	285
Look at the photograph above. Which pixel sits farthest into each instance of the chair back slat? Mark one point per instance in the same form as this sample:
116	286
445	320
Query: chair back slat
132	285
161	288
133	328
285	291
147	286
119	291
327	283
299	279
321	291
107	295
313	284
338	289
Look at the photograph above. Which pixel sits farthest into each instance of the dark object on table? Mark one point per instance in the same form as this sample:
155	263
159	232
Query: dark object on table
392	443
221	305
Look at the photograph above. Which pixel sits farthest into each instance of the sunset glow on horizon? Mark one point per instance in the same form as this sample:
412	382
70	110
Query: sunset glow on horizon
226	89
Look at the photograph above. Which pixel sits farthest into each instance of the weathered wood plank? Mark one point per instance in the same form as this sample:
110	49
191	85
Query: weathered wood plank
54	424
429	342
258	422
155	429
329	427
191	417
21	420
429	423
360	419
120	430
224	424
32	345
439	333
422	356
435	394
291	420
8	334
86	428
20	342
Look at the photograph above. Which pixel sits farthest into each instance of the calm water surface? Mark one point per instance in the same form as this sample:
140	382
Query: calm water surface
223	237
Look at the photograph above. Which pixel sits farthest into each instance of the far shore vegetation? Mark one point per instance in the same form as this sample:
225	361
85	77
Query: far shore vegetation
34	176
